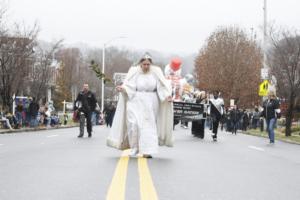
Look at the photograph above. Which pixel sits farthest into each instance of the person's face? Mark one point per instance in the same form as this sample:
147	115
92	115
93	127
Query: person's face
271	96
216	95
85	87
145	65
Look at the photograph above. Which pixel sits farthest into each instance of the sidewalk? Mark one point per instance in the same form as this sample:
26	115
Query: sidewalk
7	131
294	139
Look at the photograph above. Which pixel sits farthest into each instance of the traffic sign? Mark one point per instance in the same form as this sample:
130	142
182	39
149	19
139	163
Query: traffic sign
264	73
264	88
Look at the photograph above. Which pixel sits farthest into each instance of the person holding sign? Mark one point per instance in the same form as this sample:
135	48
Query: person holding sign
216	111
144	113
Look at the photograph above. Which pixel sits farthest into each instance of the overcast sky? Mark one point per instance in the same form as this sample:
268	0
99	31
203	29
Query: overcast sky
170	26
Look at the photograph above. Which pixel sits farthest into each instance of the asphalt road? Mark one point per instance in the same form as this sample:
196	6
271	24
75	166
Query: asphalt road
56	165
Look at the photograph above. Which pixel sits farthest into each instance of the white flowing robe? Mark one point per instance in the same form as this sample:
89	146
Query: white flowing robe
144	117
141	115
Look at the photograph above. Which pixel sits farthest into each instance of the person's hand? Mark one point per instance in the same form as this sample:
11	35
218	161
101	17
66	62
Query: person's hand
169	99
119	88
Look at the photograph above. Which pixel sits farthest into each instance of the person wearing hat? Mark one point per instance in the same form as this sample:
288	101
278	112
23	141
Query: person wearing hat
271	112
144	115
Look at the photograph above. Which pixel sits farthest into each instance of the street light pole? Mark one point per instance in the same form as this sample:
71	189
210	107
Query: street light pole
265	36
102	83
103	69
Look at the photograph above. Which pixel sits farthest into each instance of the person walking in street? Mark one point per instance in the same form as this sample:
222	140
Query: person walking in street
144	113
85	105
216	110
271	112
109	113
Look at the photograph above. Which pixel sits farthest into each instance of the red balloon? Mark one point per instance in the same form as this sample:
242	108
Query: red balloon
175	64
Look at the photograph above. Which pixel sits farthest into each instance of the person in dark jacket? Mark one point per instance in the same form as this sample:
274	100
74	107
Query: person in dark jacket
234	118
19	113
245	119
271	112
85	105
33	112
227	120
255	118
198	126
216	111
109	113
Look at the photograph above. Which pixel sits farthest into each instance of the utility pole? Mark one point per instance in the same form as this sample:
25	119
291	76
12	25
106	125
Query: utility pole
103	69
265	37
265	72
102	81
272	85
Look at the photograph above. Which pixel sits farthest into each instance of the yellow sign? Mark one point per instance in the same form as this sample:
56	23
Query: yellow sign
264	88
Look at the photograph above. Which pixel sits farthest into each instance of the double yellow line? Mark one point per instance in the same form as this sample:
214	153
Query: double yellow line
117	187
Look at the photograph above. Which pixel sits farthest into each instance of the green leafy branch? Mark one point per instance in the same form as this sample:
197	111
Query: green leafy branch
95	67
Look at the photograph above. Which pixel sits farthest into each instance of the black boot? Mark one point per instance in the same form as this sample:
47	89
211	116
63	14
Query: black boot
147	156
214	137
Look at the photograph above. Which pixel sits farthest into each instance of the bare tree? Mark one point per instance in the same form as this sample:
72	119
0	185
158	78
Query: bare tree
2	14
230	62
16	56
284	59
62	90
116	60
42	71
69	75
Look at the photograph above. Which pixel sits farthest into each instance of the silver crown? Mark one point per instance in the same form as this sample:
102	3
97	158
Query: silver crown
147	56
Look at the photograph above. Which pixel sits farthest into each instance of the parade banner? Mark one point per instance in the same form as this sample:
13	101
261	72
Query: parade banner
188	111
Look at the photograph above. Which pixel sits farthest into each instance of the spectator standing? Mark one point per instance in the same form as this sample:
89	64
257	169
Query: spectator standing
33	112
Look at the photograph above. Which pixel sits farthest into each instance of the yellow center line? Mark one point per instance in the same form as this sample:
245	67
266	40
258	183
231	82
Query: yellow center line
117	187
147	189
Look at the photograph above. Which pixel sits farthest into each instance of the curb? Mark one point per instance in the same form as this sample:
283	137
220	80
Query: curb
289	142
35	129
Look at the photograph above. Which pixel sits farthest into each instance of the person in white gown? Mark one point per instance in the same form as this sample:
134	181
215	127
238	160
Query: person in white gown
144	114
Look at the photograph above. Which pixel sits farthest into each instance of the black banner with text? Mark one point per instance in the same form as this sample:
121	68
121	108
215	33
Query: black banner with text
188	110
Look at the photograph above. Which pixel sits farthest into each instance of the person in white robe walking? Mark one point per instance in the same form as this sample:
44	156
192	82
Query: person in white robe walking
144	114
